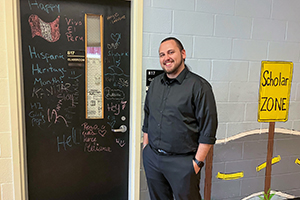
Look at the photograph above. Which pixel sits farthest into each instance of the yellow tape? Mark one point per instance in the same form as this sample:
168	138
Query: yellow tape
297	161
274	160
231	176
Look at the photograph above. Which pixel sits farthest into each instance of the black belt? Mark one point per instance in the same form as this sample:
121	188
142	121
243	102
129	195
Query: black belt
164	153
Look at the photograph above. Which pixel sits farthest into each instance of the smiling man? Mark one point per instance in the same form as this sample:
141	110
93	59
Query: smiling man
179	127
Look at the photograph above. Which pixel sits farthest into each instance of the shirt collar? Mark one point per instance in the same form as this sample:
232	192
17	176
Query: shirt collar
179	78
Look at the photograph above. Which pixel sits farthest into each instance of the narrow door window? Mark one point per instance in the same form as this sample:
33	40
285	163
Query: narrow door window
94	66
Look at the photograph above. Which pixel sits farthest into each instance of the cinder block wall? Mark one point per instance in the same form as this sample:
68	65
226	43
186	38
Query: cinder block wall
226	40
6	171
244	155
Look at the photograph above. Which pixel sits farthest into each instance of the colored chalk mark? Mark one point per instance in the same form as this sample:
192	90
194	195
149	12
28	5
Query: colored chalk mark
274	160
231	176
47	30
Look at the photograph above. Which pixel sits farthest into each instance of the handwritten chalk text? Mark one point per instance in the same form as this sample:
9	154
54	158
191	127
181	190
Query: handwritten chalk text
45	7
72	26
44	55
36	69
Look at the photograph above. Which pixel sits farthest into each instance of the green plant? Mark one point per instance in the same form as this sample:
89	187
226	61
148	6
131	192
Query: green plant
265	196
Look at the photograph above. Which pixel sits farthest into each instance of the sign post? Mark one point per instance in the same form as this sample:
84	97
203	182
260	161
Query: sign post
273	105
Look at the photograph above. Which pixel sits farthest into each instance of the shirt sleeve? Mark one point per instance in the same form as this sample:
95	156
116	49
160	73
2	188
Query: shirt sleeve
146	115
206	114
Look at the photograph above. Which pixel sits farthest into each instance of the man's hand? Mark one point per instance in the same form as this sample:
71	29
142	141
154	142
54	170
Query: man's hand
145	140
144	146
196	167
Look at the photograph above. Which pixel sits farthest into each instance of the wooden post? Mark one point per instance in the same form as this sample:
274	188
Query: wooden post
269	158
208	174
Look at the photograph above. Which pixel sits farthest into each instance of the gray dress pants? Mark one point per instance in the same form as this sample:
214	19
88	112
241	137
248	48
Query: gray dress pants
170	176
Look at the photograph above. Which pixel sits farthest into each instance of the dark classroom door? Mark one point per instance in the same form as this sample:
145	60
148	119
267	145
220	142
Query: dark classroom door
76	75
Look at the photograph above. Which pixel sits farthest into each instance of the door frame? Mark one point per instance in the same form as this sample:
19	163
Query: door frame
17	111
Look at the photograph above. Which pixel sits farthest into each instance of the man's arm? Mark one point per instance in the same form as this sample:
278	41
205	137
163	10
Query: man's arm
206	114
201	154
145	140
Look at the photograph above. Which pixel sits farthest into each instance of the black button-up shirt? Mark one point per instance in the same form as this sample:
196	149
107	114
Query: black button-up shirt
180	113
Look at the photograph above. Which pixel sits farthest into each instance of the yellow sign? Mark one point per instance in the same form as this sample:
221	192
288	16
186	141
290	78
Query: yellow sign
274	91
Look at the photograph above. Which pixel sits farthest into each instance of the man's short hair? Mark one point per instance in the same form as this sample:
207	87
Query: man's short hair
179	44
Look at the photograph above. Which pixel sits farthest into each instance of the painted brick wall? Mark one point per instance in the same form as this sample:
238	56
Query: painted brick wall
6	171
226	40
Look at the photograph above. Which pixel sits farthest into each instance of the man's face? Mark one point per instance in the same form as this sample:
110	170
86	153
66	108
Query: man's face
171	58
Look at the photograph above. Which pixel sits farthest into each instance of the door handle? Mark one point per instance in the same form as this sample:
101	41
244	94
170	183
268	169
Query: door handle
122	129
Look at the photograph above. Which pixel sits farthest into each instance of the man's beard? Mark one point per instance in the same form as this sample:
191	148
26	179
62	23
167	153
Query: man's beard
172	71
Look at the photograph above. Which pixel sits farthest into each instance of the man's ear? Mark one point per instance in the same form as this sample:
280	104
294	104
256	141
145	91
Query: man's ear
183	53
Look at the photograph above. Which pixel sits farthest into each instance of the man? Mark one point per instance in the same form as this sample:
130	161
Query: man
179	127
